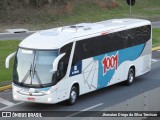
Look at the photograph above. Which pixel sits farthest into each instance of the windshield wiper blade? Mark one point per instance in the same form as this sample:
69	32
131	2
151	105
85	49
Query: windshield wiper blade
27	75
36	74
38	79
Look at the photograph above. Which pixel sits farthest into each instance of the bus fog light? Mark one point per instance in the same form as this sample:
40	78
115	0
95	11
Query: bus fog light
49	99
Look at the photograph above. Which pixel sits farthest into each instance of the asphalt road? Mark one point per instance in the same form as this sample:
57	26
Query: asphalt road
94	101
21	36
156	24
16	36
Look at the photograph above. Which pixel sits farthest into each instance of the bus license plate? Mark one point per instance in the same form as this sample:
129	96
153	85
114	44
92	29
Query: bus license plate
30	99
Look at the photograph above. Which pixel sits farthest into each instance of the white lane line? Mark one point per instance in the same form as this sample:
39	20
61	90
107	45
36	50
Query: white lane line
10	106
89	108
6	102
154	60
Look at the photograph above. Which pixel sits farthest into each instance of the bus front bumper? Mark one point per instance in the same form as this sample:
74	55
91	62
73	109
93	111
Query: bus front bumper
49	98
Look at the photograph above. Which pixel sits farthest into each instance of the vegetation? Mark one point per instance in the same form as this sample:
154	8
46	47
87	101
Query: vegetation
156	37
6	48
42	14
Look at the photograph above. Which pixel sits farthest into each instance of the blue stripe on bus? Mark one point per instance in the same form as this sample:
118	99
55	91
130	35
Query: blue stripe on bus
128	54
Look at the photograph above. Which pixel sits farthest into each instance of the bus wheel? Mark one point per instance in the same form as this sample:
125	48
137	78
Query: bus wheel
131	76
73	96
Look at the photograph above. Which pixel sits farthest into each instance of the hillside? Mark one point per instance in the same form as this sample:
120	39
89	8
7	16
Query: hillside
41	14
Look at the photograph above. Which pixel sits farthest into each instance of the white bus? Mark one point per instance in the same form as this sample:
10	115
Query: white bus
62	63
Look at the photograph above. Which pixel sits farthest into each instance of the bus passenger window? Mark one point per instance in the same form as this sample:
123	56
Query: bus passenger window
63	63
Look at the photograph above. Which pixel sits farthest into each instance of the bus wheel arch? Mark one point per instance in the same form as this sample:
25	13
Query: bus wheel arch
131	75
74	93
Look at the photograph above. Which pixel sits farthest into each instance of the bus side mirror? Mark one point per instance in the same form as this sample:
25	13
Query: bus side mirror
56	61
8	59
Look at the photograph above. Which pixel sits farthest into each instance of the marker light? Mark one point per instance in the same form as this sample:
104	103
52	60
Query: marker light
27	51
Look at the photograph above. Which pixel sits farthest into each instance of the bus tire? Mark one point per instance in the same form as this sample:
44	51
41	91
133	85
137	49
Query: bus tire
73	96
131	76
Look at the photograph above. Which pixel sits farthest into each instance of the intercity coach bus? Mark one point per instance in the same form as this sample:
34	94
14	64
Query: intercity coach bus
60	64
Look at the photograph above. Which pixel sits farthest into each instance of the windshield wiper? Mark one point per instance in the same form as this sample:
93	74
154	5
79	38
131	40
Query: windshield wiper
36	74
31	73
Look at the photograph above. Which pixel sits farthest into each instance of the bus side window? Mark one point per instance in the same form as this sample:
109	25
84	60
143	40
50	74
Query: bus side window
92	47
63	63
111	42
143	34
85	49
138	35
79	52
76	58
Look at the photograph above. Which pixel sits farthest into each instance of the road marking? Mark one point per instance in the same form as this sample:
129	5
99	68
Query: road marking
6	102
154	60
158	50
11	106
89	108
7	33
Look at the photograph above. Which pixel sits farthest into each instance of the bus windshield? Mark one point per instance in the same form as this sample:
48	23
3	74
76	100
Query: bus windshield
34	67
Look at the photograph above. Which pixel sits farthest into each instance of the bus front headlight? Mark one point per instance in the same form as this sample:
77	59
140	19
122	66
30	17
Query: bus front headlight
52	90
49	99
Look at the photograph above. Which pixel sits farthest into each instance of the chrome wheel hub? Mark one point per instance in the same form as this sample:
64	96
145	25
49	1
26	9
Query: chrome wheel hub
131	77
73	96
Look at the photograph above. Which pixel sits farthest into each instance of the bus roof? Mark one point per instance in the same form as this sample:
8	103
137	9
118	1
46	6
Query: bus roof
58	37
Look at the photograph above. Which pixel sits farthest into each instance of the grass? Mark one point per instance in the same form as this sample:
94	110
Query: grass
82	11
9	46
156	37
6	48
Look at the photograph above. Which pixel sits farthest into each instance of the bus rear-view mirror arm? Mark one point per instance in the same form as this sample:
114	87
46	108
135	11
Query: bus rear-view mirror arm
8	59
56	61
